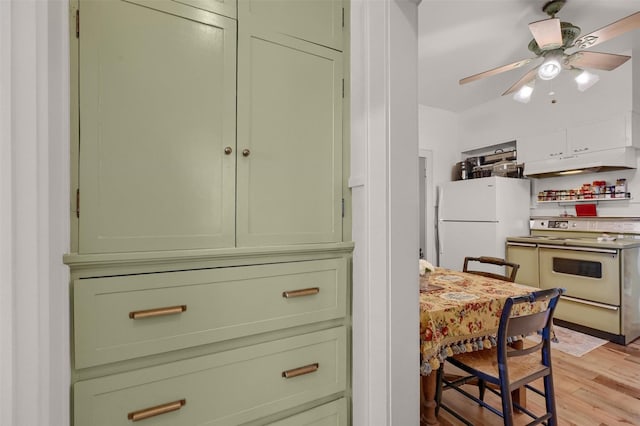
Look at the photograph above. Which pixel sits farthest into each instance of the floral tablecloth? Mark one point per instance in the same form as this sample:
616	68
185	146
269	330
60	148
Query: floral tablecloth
460	312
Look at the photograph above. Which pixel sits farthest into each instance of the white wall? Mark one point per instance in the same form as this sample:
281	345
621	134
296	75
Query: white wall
439	133
504	119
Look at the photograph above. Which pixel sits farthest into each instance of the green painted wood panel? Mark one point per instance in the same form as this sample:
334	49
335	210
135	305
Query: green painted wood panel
227	388
157	108
223	7
316	21
331	414
220	304
289	188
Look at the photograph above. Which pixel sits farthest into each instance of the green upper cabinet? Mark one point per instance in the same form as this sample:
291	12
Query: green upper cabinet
223	7
157	85
192	135
289	167
316	21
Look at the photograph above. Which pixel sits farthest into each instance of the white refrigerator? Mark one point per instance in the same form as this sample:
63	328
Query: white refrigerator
475	216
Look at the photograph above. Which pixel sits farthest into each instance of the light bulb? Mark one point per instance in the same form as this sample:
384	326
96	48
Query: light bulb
585	80
524	94
549	69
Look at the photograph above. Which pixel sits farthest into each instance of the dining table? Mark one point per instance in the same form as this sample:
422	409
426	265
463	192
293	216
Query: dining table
460	312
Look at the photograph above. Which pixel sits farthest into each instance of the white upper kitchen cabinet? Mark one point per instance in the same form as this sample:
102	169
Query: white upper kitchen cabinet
542	146
615	132
610	133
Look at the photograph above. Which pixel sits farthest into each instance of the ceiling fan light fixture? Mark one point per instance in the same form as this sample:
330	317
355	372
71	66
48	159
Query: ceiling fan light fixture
550	68
585	80
524	94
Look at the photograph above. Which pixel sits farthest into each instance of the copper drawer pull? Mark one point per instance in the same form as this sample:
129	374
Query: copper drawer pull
301	292
157	312
156	411
300	371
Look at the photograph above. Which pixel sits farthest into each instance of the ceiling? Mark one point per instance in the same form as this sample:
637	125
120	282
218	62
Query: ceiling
459	38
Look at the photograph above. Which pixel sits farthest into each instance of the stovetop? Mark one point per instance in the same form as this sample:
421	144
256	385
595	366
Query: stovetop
615	233
597	241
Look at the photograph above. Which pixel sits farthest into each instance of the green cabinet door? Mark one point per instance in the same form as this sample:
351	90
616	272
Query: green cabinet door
157	83
289	168
317	21
223	7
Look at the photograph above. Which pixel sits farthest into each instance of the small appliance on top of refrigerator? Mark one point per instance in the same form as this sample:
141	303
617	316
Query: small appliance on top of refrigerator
474	218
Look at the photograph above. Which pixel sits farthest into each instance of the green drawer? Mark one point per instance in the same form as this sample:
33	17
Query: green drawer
200	306
605	318
227	388
331	414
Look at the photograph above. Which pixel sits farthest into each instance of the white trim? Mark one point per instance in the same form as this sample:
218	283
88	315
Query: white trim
6	220
384	142
34	60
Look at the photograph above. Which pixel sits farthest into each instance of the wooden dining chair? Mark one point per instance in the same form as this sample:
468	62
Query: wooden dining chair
507	276
511	277
509	368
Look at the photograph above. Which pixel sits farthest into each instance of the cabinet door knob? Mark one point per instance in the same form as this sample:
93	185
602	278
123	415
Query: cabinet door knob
228	150
246	152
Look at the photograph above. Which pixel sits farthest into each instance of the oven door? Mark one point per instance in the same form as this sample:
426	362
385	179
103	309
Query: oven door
586	273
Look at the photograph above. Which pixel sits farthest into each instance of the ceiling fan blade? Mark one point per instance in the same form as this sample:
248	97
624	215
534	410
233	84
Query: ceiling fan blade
495	71
531	75
597	60
547	33
608	32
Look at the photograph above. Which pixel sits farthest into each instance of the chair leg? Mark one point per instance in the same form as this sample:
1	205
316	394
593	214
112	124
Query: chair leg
482	386
550	400
439	378
507	405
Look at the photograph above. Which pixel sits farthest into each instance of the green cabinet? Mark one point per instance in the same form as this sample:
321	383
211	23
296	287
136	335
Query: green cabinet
158	154
223	7
209	278
331	414
157	110
315	21
290	125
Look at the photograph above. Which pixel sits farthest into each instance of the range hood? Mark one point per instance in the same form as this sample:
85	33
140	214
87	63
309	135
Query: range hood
599	161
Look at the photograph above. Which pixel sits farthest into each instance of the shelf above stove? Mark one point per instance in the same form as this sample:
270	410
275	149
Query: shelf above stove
591	200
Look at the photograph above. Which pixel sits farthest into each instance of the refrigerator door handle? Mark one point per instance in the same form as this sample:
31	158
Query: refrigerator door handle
437	225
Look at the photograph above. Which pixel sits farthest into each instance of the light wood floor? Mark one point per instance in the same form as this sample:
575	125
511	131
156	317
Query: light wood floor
599	388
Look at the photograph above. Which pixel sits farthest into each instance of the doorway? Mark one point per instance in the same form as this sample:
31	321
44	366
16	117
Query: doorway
426	205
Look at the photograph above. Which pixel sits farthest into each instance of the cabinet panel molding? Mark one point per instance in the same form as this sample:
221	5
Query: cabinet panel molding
290	119
157	109
331	414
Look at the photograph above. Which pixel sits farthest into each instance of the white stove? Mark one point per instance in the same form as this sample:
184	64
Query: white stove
597	261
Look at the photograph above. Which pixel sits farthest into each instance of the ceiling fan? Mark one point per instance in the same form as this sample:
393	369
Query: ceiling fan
552	38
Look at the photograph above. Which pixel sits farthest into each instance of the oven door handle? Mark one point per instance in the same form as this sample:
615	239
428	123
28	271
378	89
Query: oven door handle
512	243
574	248
587	302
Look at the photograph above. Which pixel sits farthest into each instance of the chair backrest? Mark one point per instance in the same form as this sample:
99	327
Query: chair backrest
522	316
511	277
